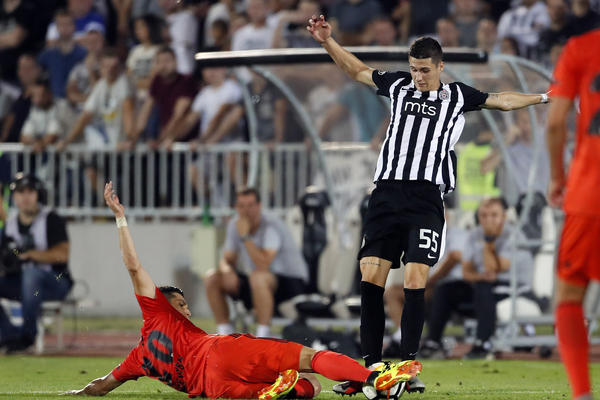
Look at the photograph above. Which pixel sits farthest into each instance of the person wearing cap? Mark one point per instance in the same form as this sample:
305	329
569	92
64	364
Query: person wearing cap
42	244
59	59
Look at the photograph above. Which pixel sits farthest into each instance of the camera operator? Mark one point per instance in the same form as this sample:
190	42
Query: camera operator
35	251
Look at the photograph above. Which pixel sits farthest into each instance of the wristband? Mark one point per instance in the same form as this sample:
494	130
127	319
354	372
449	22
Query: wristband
245	237
121	222
544	97
489	238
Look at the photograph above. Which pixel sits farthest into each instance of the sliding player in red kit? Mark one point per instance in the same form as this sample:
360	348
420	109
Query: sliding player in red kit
173	350
576	75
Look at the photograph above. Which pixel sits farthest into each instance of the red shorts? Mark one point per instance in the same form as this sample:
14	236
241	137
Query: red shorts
579	251
238	366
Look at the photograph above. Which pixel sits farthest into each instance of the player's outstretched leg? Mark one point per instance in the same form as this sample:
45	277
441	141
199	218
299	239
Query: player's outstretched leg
282	386
339	367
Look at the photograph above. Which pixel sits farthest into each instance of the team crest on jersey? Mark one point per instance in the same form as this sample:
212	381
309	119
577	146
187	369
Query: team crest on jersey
444	95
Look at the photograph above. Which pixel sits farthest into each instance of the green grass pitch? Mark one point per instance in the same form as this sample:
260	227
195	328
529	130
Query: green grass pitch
25	377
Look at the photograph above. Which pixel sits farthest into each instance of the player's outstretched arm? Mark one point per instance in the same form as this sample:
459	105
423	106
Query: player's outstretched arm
348	62
507	101
98	387
142	282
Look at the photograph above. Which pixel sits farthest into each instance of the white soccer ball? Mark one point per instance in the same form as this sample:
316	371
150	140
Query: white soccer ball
392	394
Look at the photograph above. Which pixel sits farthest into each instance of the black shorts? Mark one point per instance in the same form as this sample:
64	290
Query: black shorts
286	289
404	221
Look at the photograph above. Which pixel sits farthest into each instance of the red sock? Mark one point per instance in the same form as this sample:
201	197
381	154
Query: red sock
339	367
573	346
304	389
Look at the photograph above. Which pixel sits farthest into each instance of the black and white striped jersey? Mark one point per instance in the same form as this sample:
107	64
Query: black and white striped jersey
424	127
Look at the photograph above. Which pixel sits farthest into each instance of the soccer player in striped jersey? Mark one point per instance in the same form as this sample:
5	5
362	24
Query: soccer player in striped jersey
417	164
178	353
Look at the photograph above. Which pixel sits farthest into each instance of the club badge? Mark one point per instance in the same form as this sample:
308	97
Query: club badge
444	95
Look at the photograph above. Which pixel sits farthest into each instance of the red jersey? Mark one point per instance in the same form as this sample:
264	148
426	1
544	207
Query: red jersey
577	74
172	349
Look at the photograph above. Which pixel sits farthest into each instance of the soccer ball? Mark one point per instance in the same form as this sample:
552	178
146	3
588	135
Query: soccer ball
392	394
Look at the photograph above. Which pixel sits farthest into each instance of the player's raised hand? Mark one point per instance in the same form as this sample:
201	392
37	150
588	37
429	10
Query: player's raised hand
319	28
112	200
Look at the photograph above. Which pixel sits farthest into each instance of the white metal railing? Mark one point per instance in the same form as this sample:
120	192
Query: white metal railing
181	183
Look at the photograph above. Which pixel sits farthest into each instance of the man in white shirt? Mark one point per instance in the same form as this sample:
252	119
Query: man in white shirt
111	99
257	34
183	30
41	127
524	24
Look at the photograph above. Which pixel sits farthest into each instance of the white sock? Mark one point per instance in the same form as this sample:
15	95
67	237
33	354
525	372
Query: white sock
224	329
263	331
397	336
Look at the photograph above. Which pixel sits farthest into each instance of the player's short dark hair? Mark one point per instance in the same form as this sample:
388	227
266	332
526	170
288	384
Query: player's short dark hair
168	291
247	192
426	47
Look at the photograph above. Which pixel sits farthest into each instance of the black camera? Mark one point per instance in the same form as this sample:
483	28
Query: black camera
10	263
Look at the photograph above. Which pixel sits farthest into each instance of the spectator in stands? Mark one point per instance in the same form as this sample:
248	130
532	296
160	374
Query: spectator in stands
560	28
585	19
41	272
261	265
59	59
141	57
351	17
520	141
84	75
290	31
486	262
486	35
222	10
221	35
272	110
218	107
85	17
424	14
41	127
444	286
510	46
447	32
256	34
357	102
28	71
172	94
18	26
466	15
111	99
524	22
381	32
140	8
183	32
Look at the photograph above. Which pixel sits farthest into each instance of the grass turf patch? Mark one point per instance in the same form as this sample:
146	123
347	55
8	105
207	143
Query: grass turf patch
27	377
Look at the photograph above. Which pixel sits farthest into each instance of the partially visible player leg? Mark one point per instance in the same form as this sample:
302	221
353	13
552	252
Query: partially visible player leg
374	272
572	337
339	367
413	316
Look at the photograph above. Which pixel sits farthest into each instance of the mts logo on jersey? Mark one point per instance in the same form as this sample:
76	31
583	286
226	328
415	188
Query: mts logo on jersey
421	108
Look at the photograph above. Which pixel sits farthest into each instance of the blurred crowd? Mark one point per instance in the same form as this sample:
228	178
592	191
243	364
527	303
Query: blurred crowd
120	72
